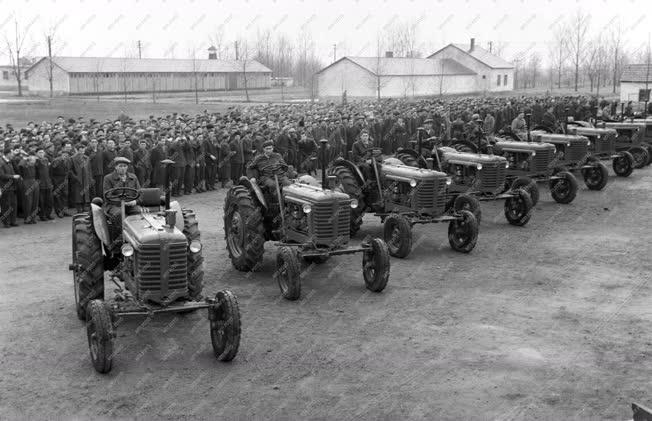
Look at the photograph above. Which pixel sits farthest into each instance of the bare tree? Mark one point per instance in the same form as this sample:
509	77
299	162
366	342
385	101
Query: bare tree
558	50
218	40
535	63
498	48
14	48
578	30
615	41
244	55
376	80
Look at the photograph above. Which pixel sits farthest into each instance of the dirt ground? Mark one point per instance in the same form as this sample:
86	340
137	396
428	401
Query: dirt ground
548	321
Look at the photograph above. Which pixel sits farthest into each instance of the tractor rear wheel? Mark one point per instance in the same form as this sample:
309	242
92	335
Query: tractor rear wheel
623	165
88	264
641	156
244	229
463	232
518	209
195	262
596	177
530	187
564	188
470	203
288	273
376	266
224	316
350	186
101	334
397	232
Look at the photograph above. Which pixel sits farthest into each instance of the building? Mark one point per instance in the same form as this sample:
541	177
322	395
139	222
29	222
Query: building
108	75
451	70
632	82
8	78
493	74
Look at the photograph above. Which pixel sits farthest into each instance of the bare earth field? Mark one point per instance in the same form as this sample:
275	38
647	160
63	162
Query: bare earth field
548	322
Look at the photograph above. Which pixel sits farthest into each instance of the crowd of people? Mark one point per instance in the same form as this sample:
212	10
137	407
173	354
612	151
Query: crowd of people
57	168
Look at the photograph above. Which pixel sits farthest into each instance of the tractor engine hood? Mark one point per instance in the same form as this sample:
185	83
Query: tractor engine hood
466	158
407	173
626	125
305	193
149	229
511	146
591	131
540	136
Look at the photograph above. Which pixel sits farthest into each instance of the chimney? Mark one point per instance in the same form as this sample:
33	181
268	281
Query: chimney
389	54
212	53
472	45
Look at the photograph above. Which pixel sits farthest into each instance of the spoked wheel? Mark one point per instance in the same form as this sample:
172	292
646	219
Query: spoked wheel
397	231
375	265
100	332
288	273
469	203
530	187
564	188
623	165
463	232
596	177
640	155
518	209
224	316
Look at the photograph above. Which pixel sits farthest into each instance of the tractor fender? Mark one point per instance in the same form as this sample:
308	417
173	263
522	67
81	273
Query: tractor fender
99	224
252	185
174	205
542	128
353	168
468	144
410	152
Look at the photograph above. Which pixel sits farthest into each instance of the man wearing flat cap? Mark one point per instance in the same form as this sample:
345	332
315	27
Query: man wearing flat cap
120	178
264	166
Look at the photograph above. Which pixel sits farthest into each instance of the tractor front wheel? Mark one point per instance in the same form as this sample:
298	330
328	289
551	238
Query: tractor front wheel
288	273
470	203
463	232
596	177
101	334
563	188
397	231
530	187
623	165
518	208
88	264
375	265
641	156
224	316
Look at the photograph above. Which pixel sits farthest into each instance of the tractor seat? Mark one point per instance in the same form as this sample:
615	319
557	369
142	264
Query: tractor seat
151	199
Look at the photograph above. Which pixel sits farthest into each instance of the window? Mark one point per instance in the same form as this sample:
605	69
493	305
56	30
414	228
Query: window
498	81
484	76
5	75
505	80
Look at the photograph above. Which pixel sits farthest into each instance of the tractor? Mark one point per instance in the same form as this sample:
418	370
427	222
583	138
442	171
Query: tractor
154	258
631	137
402	196
309	221
475	178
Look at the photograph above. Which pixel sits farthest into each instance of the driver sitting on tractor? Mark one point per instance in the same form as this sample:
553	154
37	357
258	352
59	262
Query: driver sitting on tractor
267	164
117	179
362	152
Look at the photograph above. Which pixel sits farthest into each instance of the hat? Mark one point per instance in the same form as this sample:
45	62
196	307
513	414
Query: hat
121	160
268	143
428	120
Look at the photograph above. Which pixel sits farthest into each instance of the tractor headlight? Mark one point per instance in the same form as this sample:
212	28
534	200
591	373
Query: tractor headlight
127	250
306	208
534	153
588	143
354	203
568	144
479	166
449	181
413	183
506	164
195	246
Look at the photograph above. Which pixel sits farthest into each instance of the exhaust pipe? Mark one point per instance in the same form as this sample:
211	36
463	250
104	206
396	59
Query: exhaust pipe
322	152
167	163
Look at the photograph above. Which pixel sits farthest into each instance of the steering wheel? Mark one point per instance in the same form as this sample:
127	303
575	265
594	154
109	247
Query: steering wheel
117	194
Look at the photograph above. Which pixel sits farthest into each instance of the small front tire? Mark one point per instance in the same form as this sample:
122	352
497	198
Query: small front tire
397	232
288	273
375	265
224	316
101	334
518	209
463	232
563	188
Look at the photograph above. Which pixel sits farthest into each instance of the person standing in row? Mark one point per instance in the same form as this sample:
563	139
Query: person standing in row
27	170
8	181
81	179
45	186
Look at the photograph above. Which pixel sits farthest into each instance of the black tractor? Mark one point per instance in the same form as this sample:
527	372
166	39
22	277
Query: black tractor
309	222
403	196
154	258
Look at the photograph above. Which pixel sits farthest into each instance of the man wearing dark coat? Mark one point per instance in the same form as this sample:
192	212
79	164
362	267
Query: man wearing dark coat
8	180
46	203
157	155
27	171
80	177
60	170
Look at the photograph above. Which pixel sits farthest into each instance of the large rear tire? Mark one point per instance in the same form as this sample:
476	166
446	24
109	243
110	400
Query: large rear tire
623	165
195	262
224	316
88	264
397	232
564	188
351	187
376	266
101	334
596	177
244	229
518	209
288	273
530	186
463	232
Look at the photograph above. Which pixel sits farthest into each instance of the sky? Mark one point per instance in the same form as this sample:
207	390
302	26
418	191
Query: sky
172	28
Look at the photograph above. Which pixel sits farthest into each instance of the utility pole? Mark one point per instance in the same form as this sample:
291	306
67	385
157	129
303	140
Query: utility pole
139	50
491	46
50	63
647	77
236	50
334	53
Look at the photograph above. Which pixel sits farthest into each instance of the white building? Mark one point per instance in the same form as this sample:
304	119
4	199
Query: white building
108	75
451	70
632	81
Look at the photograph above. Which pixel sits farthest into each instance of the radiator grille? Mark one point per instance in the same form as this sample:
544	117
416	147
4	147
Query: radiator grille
492	177
330	222
606	144
158	263
431	194
540	162
576	151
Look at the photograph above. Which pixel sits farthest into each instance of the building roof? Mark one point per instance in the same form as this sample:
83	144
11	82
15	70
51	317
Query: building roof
402	66
151	65
636	73
480	54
